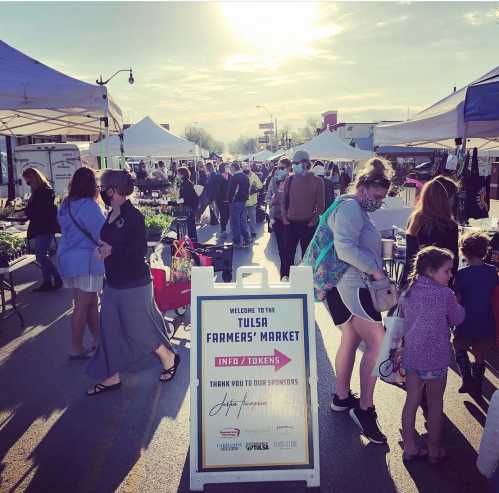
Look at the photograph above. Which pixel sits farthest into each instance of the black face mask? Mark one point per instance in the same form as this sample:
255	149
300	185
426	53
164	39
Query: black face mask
246	171
105	197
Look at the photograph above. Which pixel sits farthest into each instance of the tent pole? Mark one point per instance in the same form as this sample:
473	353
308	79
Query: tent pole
11	186
106	131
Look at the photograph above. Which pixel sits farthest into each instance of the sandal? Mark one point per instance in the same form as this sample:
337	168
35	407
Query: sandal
421	454
100	387
439	458
170	371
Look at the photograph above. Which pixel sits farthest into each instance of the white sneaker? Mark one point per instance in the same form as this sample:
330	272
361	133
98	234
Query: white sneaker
284	279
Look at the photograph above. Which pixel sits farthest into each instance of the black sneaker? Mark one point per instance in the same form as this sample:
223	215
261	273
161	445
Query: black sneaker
349	402
367	421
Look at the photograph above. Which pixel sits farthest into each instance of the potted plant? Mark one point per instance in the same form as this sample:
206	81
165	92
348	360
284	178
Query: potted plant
11	247
157	225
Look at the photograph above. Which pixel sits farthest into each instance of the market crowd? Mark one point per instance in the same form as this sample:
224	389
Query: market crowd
448	313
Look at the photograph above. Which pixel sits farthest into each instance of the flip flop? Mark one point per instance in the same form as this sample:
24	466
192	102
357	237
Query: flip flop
170	371
100	387
421	454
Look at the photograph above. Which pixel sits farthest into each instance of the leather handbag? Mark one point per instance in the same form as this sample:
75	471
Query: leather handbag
384	293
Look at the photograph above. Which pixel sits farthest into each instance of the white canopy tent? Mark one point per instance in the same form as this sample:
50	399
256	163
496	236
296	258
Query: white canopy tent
470	113
329	146
259	156
36	99
148	139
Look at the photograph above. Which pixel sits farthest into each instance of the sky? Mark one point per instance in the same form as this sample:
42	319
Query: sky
212	63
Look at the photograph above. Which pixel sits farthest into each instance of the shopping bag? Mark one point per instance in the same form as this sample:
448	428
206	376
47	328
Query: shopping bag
388	366
495	309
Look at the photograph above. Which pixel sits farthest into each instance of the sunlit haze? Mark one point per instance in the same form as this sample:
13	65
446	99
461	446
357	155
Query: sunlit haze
213	63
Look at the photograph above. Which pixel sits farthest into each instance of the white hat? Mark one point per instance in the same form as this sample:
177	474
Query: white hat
318	170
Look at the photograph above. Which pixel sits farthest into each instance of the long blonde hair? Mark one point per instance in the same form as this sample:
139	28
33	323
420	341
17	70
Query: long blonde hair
36	178
433	205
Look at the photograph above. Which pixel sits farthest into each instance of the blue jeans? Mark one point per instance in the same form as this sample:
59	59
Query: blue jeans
238	223
251	218
42	247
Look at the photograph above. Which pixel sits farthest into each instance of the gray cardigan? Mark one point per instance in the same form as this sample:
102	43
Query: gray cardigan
357	242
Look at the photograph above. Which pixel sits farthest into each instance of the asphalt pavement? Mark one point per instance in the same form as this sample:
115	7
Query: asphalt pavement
54	439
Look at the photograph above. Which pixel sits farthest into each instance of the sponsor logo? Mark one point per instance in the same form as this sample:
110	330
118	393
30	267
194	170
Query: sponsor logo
229	446
284	429
285	444
229	432
257	445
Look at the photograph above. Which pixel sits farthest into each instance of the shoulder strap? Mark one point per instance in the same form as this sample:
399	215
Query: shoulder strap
286	193
81	228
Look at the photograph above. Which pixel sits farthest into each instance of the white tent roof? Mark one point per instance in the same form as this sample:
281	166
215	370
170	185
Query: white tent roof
443	122
36	99
259	156
329	146
148	138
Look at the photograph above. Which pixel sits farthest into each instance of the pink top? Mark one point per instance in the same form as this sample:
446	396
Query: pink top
429	309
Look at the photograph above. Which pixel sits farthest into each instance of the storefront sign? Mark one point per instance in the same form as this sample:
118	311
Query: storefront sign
254	398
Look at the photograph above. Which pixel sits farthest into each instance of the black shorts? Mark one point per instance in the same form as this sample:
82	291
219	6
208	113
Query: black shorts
342	314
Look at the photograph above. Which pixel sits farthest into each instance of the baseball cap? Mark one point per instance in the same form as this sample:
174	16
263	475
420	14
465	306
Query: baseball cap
318	170
300	156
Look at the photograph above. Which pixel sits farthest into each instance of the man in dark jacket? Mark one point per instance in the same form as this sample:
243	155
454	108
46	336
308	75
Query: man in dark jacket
221	197
238	194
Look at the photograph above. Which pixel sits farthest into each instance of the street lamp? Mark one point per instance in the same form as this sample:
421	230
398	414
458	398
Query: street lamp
131	80
271	119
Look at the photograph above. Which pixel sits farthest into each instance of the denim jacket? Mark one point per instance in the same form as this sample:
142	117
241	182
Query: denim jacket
75	251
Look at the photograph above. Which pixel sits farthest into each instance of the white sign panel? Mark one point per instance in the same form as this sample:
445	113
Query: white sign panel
254	398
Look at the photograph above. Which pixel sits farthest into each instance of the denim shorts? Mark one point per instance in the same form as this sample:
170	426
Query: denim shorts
426	375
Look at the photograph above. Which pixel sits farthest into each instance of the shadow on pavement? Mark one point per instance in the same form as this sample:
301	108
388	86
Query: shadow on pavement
458	474
98	440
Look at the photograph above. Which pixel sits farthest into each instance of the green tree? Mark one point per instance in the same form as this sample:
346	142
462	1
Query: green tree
203	139
243	145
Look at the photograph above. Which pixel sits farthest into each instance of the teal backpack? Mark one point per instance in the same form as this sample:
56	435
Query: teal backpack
321	255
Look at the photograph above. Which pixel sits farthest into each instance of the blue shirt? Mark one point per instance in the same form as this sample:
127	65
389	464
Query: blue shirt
475	284
75	251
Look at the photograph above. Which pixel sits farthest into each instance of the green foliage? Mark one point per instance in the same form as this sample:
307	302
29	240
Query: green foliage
6	212
203	139
10	242
243	146
157	221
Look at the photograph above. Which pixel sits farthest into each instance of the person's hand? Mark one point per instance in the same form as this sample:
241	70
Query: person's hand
105	249
285	221
378	275
98	254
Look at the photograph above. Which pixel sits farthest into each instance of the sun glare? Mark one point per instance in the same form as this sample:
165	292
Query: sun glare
277	31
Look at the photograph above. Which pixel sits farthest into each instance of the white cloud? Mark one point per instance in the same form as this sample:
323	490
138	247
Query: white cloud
476	18
357	97
391	22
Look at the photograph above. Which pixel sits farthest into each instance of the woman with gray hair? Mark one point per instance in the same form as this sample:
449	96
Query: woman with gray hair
131	324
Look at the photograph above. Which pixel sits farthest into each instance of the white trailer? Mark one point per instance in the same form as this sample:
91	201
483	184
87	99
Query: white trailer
57	162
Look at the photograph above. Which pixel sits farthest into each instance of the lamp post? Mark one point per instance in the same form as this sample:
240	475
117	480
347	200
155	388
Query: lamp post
101	83
131	80
271	120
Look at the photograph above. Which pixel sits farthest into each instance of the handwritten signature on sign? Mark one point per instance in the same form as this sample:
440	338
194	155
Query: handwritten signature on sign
236	406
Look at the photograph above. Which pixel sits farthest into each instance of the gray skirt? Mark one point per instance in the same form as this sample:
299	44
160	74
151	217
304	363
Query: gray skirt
131	326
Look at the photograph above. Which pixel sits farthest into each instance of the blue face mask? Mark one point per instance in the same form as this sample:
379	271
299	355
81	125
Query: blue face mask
298	168
280	174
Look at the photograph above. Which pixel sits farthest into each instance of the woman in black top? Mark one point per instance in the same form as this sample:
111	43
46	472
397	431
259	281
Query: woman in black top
190	199
42	215
432	222
131	324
